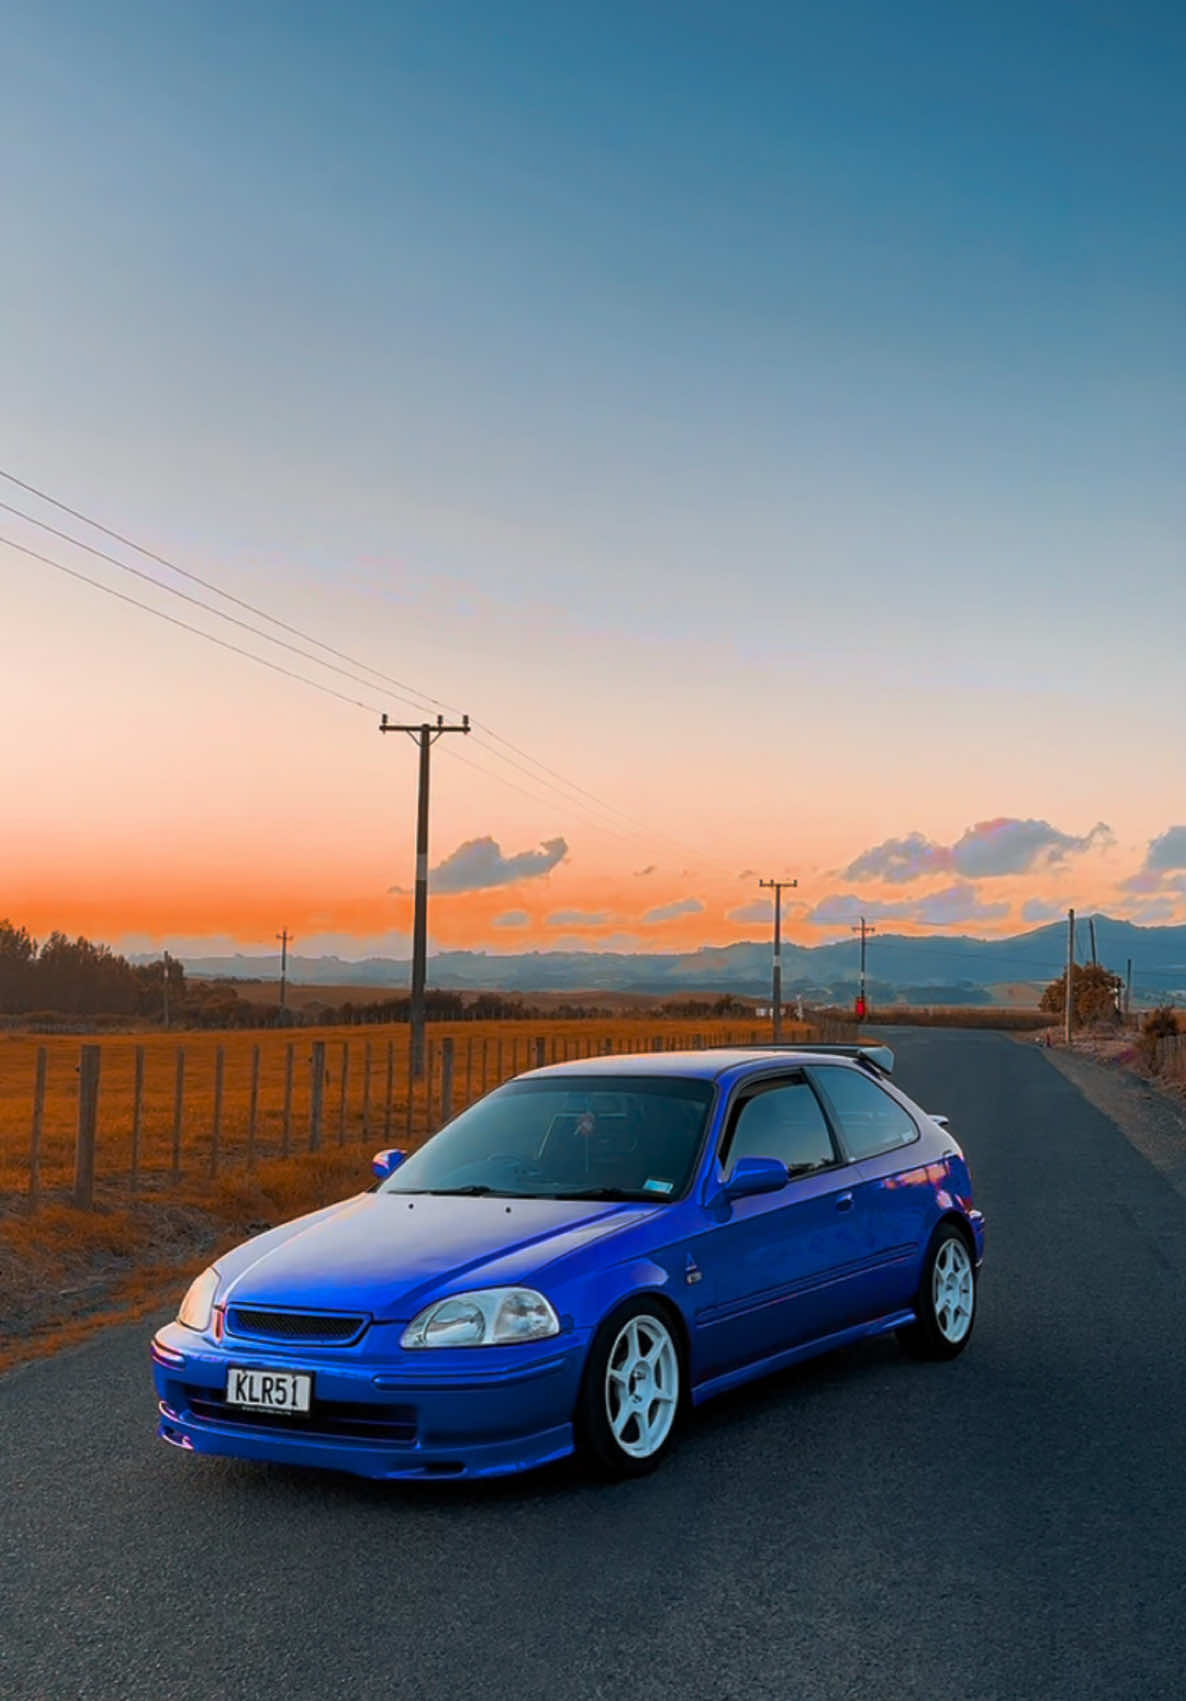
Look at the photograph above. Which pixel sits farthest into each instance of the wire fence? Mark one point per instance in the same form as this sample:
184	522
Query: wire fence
125	1117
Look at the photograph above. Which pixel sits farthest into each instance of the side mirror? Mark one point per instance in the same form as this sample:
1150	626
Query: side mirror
755	1175
386	1162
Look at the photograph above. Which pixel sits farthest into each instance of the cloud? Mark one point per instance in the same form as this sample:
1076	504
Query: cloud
577	918
958	903
641	873
512	918
1168	850
1007	845
760	910
1042	909
672	912
748	874
479	864
898	860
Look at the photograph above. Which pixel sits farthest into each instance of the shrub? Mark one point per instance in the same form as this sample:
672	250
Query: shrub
1157	1025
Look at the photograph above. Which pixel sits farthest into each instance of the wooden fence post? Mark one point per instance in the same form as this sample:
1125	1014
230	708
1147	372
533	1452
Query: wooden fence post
38	1120
253	1107
366	1091
389	1108
316	1094
137	1117
88	1117
446	1080
286	1128
498	1064
541	1052
485	1061
216	1119
178	1111
429	1066
515	1055
344	1093
469	1069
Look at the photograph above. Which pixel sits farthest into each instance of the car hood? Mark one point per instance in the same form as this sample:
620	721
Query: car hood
387	1254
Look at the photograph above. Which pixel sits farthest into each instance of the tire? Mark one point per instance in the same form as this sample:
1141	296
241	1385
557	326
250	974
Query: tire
632	1393
946	1303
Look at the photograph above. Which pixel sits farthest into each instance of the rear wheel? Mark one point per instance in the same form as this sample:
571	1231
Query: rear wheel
946	1303
631	1393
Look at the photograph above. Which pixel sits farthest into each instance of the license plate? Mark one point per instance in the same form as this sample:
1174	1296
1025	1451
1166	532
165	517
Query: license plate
269	1390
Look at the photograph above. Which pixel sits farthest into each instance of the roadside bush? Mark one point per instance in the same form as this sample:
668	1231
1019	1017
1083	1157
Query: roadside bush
1158	1025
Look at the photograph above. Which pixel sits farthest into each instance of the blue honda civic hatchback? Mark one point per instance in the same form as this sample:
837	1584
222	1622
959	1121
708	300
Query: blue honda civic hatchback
577	1260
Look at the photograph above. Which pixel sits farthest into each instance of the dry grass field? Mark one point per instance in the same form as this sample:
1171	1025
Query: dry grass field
356	1106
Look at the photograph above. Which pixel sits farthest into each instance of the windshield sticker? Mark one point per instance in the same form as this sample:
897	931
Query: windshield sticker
657	1186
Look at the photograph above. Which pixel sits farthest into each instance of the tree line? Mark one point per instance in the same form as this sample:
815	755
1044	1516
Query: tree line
74	977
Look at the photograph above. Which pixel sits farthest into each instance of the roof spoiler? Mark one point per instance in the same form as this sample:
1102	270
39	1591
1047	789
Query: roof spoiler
880	1056
877	1057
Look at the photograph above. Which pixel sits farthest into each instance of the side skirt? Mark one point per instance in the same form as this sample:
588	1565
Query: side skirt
794	1355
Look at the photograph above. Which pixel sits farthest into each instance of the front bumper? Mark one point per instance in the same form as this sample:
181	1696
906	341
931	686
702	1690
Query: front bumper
481	1412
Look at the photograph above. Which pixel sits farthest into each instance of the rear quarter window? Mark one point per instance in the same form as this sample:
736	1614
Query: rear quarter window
869	1120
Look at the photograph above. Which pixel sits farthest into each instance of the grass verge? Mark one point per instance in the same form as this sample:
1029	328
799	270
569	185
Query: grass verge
65	1273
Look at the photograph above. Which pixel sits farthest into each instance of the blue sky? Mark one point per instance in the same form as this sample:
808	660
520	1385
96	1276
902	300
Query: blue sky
677	385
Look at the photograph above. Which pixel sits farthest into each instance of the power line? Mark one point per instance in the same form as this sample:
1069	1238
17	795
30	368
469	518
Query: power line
195	602
207	585
184	625
406	692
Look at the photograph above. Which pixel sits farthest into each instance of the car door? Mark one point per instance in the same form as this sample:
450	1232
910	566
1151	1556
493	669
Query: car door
896	1192
776	1267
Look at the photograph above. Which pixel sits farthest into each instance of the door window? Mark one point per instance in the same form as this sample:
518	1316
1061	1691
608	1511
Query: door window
869	1119
783	1122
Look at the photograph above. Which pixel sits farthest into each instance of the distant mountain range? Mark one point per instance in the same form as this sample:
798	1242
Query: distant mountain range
938	969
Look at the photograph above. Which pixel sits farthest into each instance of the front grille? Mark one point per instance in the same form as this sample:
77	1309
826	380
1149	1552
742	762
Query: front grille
336	1420
320	1327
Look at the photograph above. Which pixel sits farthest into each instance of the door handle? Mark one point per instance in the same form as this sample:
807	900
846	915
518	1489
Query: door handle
844	1201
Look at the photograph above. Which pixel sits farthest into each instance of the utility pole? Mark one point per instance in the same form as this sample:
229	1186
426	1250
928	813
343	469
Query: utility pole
864	930
425	736
778	887
165	988
1091	930
283	937
1128	988
1069	999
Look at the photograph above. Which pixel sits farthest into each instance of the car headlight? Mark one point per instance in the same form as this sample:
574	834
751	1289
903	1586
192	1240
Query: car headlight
491	1317
199	1301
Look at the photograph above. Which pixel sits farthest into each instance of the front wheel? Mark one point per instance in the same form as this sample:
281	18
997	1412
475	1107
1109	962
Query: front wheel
946	1304
630	1397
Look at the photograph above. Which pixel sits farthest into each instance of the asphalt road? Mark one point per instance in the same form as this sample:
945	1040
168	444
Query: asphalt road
1010	1525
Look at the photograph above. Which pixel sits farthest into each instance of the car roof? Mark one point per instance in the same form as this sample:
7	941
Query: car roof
707	1065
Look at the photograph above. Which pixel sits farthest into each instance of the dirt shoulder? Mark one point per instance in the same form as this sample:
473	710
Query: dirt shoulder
1153	1118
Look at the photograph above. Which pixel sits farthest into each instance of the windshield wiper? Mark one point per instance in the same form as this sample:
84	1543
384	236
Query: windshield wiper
472	1189
601	1193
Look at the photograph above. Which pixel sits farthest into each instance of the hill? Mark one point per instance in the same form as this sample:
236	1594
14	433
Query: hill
944	969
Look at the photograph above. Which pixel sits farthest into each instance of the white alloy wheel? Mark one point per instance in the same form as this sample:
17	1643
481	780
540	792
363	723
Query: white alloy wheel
642	1386
952	1290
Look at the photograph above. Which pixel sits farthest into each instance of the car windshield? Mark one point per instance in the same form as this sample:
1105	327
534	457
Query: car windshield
581	1137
